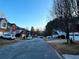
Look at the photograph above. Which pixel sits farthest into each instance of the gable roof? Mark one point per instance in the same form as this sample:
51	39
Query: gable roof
2	19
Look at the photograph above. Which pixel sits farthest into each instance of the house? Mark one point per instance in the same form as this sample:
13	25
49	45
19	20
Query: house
3	26
58	33
12	28
18	29
74	36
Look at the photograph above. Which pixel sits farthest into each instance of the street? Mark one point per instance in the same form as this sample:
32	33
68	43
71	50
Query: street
36	48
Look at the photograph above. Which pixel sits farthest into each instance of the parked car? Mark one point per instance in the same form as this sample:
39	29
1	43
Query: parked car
54	36
49	37
8	36
29	37
40	37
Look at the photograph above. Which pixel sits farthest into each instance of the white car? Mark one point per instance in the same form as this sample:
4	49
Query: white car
29	37
49	37
9	36
54	36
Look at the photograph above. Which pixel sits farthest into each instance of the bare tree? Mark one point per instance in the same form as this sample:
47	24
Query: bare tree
65	9
77	2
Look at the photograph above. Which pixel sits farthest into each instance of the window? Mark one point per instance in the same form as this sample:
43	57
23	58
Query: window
4	25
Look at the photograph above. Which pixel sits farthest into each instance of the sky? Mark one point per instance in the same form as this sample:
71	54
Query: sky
26	13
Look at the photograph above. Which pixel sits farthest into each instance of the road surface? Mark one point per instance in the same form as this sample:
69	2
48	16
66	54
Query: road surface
36	48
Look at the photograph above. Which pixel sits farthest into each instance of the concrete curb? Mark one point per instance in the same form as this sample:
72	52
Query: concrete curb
59	54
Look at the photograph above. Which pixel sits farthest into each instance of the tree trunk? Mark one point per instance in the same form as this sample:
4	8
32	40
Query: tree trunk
67	37
67	31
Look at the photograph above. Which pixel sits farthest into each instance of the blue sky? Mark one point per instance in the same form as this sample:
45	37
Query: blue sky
26	13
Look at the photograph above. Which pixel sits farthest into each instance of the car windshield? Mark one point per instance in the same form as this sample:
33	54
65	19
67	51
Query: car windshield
7	35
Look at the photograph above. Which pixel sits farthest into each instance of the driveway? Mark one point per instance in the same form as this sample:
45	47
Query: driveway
36	48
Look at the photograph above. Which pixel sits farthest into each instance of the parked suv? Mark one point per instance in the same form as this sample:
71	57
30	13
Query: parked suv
8	36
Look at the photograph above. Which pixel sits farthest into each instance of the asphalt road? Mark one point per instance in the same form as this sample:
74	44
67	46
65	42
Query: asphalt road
28	49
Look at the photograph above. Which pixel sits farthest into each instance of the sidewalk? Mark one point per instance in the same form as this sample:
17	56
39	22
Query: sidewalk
57	41
66	56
